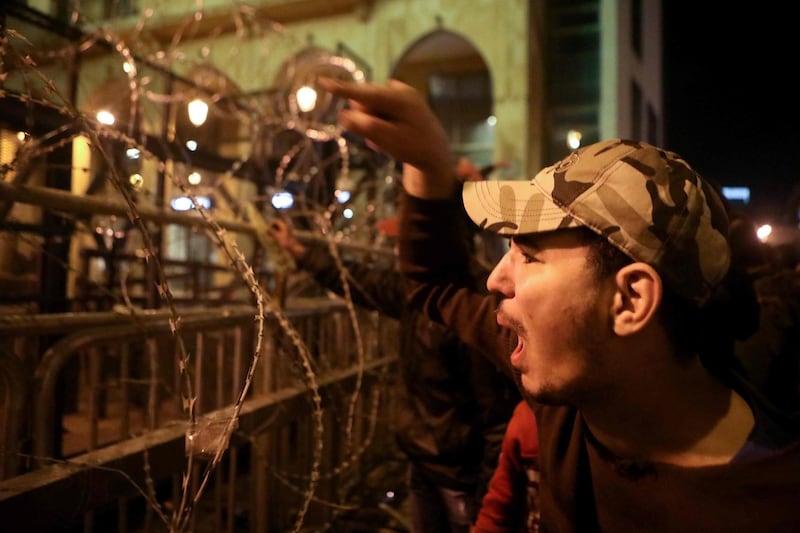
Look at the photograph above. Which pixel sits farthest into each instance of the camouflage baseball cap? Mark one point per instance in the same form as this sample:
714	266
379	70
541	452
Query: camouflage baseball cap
646	201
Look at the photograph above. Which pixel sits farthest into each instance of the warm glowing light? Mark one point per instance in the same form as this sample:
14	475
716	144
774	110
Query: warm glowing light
191	145
348	213
574	139
491	120
136	181
306	98
194	178
22	136
105	117
127	67
763	232
133	153
198	112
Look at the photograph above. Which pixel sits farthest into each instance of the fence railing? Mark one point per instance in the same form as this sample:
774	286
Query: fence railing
119	457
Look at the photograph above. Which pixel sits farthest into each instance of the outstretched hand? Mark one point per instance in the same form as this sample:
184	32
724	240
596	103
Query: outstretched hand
282	234
395	119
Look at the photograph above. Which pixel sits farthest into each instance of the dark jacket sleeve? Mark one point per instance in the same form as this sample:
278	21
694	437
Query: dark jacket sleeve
436	261
374	288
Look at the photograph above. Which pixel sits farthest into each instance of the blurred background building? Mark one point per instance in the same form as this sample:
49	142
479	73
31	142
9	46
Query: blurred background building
98	99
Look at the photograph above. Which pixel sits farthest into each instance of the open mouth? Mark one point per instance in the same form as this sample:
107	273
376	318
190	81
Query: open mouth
517	355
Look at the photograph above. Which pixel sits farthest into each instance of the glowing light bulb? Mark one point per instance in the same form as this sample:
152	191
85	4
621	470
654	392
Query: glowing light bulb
194	178
763	232
342	196
306	98
191	145
574	139
198	112
105	117
136	181
282	200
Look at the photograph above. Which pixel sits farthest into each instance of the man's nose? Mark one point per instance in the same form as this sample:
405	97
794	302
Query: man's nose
499	280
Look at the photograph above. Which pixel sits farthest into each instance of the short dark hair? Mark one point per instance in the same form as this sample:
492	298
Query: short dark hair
605	258
678	315
709	331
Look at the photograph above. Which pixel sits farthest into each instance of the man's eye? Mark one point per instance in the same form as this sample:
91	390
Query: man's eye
528	258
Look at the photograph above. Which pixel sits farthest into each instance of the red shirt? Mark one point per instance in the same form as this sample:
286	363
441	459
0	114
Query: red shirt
511	502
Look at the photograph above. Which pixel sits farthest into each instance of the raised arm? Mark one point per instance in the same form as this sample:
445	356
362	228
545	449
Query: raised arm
396	120
434	256
379	289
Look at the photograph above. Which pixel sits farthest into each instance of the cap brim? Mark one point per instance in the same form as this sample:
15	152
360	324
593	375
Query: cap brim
513	207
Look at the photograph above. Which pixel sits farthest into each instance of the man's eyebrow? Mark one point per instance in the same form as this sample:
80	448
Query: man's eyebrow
528	240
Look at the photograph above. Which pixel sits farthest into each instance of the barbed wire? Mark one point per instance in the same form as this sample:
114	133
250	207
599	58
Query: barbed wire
29	77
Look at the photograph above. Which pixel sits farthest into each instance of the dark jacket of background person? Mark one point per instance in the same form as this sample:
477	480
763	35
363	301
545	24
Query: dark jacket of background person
584	486
771	356
768	354
453	404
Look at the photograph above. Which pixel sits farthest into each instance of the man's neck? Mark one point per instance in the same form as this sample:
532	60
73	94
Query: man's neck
686	418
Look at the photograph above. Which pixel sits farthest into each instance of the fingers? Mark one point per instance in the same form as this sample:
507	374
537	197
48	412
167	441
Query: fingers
278	228
397	84
395	118
366	93
387	100
365	124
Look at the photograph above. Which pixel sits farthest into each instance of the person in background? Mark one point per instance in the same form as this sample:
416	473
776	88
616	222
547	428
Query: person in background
770	357
599	307
489	247
732	315
511	504
453	404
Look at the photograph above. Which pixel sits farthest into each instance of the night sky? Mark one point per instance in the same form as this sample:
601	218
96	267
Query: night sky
731	100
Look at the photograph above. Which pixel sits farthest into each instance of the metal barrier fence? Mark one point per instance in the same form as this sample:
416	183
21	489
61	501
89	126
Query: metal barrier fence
118	461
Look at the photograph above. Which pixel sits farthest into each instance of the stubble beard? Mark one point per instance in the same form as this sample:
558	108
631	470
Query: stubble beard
586	341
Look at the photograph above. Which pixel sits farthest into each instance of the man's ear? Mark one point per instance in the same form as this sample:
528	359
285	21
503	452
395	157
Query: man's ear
637	298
